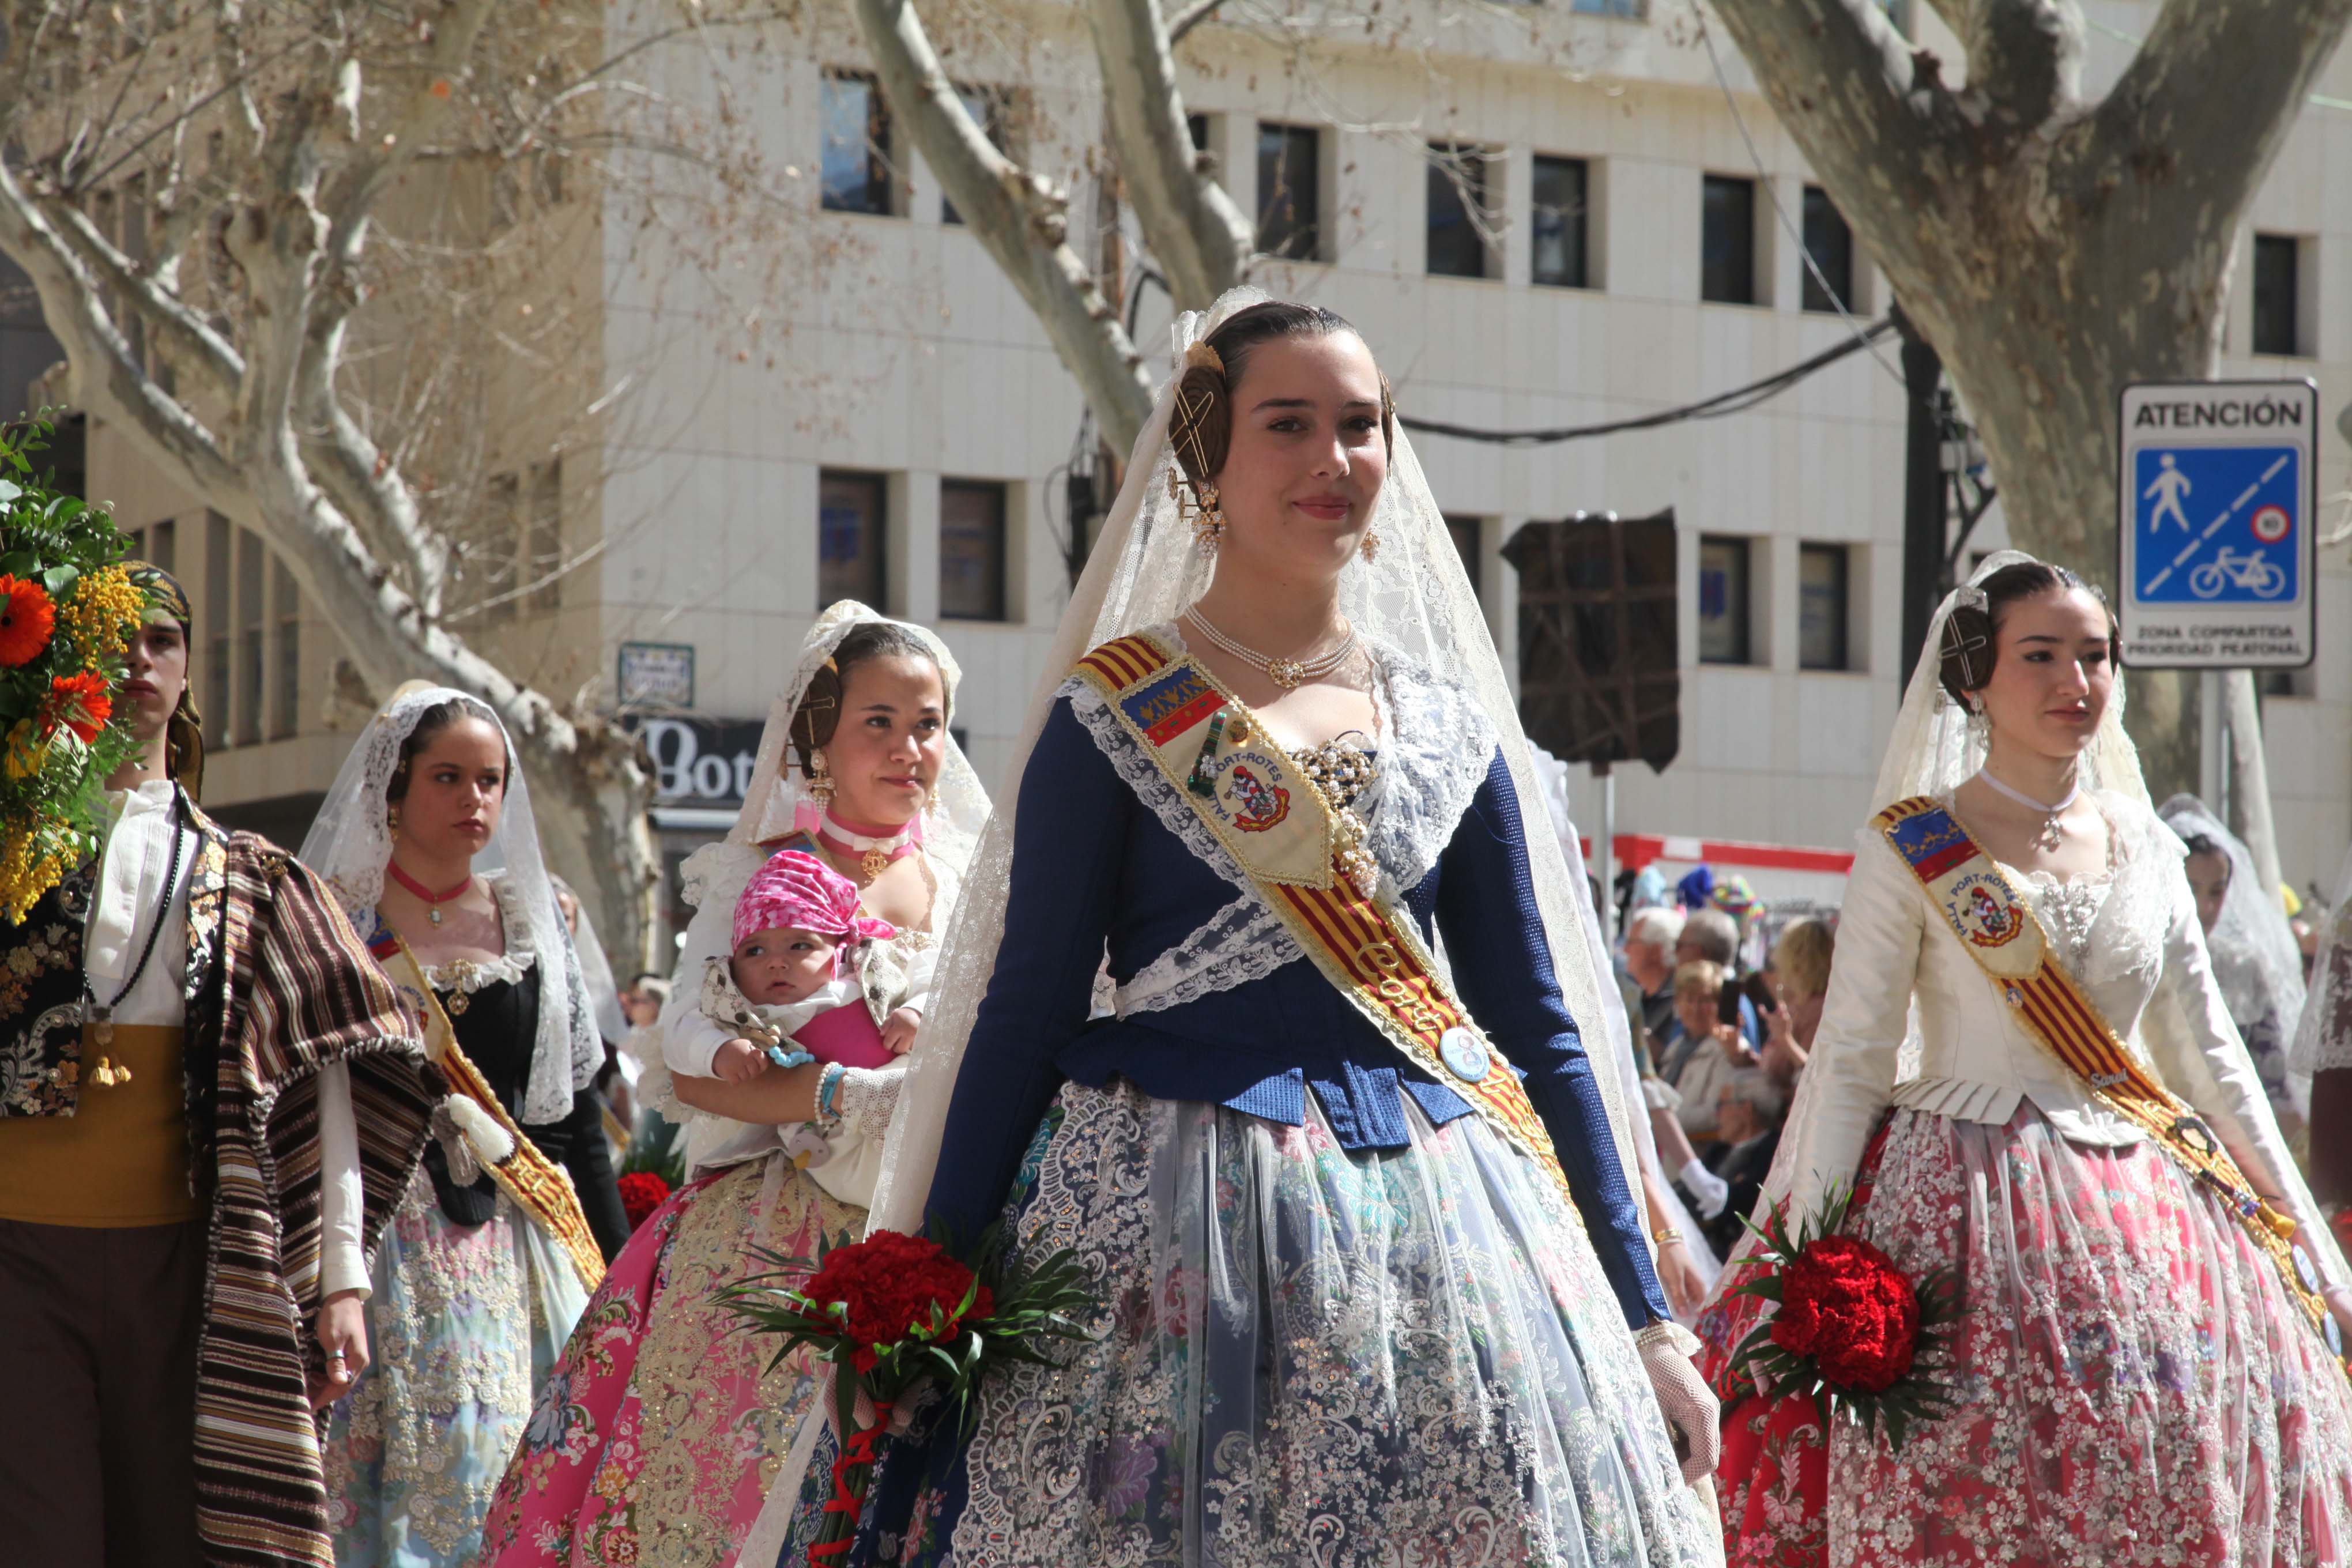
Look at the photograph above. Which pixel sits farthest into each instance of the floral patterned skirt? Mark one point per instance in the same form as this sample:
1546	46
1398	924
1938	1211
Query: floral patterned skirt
2135	1386
656	1438
463	1324
1305	1356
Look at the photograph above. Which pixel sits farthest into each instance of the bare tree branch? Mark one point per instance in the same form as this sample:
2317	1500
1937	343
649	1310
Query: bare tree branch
1202	240
1022	218
1190	17
2206	102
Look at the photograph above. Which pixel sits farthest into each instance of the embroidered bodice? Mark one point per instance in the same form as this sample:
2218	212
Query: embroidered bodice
1215	1001
2130	940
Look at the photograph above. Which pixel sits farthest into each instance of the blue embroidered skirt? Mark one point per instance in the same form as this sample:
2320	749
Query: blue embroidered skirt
1304	1356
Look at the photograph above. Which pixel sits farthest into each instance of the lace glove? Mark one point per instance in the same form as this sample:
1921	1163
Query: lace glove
1689	1405
862	1098
1711	1190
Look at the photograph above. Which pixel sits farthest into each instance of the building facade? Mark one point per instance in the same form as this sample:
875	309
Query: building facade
1544	226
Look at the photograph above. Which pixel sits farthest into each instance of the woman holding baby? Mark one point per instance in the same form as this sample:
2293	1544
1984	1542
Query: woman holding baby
803	977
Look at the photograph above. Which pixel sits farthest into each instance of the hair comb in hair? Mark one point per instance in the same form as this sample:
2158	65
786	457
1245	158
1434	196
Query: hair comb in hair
1200	356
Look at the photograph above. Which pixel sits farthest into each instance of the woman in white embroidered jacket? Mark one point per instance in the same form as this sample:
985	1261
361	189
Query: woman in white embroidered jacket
2137	1378
1351	1309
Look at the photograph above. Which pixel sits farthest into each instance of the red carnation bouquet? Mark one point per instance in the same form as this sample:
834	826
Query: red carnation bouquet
1852	1329
894	1310
642	1192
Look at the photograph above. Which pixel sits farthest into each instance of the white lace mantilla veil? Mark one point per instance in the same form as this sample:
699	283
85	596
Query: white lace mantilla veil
1415	597
776	793
1932	752
2256	961
350	842
2323	1041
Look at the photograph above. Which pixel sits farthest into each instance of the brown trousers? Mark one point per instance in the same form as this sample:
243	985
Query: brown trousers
98	1359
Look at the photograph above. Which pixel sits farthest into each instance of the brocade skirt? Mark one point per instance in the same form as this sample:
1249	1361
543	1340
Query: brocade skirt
2135	1386
464	1323
1305	1357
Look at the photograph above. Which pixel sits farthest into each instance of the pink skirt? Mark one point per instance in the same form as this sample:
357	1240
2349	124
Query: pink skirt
2135	1386
656	1438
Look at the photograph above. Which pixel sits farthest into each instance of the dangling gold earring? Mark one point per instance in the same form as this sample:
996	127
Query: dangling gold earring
931	799
1369	547
1197	504
392	818
820	782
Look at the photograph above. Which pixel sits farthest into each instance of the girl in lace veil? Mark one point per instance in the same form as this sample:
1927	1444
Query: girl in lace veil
1281	1197
428	841
2099	1270
2256	961
658	1436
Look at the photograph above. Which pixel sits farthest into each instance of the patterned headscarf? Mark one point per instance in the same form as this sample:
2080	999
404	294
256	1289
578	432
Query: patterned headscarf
797	891
183	734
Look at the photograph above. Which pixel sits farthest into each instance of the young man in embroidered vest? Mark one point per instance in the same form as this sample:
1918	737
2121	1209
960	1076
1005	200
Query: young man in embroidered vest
210	1100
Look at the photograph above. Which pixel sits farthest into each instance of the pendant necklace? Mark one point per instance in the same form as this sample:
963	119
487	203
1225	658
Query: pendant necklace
1285	673
2053	832
433	900
875	851
106	1075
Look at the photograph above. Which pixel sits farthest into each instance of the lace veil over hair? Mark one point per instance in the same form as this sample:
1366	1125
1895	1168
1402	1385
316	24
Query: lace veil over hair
2256	961
350	842
1416	598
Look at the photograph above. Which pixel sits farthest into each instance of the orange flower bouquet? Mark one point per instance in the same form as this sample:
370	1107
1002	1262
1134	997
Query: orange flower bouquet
67	612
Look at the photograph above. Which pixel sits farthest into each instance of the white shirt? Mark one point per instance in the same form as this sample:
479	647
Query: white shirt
122	911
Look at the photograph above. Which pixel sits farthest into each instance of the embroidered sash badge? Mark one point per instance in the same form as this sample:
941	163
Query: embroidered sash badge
2000	931
1276	825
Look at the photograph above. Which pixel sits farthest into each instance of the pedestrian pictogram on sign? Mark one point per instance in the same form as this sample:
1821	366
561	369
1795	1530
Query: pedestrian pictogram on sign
2215	497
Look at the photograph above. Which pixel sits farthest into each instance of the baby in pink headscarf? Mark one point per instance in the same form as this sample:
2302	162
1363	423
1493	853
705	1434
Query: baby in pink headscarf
791	984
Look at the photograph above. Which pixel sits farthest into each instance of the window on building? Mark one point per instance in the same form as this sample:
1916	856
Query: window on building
1560	185
1830	245
501	552
1197	127
286	607
1289	191
1723	599
1822	606
2277	330
855	167
1728	241
162	544
1469	537
972	550
216	624
252	628
544	544
1458	211
1629	8
987	107
852	513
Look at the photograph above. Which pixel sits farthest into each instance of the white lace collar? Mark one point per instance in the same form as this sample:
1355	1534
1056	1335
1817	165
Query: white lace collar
469	975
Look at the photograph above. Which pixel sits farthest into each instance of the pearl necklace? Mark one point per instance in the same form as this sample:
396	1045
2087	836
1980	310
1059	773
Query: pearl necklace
1285	673
2053	832
878	852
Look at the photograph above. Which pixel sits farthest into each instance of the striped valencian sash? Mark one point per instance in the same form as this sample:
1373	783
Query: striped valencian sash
538	1186
2000	931
1276	825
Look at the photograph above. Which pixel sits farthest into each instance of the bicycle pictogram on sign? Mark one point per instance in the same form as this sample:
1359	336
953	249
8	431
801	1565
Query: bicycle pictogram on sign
2211	521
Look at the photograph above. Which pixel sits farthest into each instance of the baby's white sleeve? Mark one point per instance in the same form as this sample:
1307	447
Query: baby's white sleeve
690	1045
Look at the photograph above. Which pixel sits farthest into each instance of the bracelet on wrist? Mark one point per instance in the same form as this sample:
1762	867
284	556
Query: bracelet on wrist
826	1086
1669	1237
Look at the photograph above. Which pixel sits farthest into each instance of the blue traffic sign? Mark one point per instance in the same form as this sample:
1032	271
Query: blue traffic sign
2216	500
2217	524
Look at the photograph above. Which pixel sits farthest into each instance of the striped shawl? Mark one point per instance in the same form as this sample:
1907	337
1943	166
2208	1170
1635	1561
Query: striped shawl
286	988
